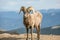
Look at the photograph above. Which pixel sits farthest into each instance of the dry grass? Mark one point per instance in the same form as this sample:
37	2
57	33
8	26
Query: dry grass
50	37
6	36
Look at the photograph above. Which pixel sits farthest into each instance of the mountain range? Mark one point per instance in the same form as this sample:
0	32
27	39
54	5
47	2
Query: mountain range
12	20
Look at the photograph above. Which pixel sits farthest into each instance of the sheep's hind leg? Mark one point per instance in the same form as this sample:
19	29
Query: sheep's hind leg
38	31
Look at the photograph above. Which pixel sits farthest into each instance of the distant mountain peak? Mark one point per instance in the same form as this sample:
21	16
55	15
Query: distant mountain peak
55	27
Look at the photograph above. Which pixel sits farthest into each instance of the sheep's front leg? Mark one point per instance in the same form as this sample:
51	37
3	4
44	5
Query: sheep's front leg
38	32
32	33
27	33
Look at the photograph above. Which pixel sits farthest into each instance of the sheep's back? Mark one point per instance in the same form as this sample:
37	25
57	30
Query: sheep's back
38	18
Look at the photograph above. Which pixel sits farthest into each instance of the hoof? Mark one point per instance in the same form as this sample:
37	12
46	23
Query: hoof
26	38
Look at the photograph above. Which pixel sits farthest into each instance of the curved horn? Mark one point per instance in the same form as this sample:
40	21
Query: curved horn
22	9
19	11
29	9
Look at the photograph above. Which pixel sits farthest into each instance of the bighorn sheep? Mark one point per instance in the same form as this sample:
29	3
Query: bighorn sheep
31	20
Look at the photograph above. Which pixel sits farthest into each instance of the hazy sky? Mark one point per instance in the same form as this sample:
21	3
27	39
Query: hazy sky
14	5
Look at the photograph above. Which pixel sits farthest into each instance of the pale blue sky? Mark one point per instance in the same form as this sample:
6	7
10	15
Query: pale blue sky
14	5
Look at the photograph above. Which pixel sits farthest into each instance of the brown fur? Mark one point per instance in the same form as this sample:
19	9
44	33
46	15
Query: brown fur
31	21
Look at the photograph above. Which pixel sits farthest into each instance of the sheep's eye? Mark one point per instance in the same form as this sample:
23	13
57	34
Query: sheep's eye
31	11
